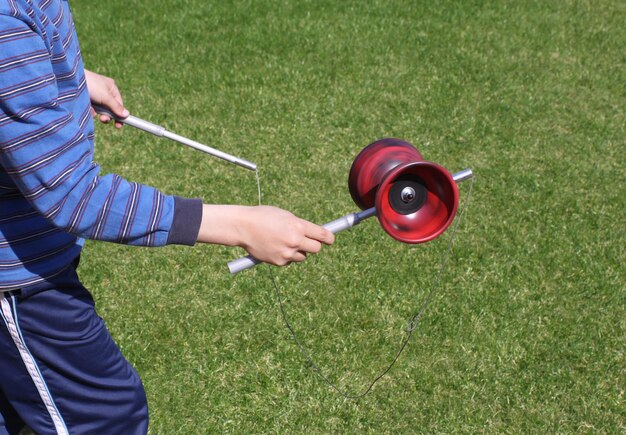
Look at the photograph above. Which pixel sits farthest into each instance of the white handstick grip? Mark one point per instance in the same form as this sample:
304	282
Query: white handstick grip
242	263
131	120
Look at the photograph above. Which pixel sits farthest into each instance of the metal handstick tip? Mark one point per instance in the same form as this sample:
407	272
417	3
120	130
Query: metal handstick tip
246	164
463	175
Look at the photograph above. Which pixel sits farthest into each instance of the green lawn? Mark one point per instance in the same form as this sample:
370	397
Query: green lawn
527	329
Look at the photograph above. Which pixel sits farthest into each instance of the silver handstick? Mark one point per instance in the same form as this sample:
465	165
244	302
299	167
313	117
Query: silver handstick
159	131
343	223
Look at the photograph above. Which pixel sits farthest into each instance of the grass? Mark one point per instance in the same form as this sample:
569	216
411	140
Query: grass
526	332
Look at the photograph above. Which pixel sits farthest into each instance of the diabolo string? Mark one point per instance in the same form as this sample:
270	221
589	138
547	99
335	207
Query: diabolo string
411	326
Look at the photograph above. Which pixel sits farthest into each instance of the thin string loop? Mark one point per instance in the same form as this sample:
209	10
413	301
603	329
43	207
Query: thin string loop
411	325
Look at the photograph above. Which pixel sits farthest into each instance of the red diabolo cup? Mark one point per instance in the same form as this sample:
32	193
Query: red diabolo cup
415	200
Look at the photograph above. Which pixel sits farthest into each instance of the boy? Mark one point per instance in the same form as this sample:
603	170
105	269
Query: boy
60	371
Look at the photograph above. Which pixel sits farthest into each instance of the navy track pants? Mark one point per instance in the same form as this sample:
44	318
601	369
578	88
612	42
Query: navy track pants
60	370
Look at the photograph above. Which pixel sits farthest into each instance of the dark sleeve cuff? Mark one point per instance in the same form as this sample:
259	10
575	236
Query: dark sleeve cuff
186	222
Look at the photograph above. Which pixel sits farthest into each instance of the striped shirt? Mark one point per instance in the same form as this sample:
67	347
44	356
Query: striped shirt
52	195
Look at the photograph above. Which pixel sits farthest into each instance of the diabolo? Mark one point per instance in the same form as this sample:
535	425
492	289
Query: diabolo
416	200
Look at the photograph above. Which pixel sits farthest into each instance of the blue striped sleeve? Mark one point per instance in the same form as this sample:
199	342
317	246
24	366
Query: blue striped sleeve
46	145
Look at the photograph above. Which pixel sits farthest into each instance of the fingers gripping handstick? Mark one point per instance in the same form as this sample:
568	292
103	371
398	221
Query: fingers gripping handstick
159	131
343	223
414	200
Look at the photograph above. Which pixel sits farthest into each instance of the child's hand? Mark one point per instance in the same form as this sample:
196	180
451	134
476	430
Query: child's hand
270	234
104	91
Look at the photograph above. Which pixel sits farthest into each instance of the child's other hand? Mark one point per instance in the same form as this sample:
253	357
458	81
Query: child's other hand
104	91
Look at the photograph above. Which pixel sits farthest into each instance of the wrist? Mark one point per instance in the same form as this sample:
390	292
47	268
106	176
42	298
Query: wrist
223	224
